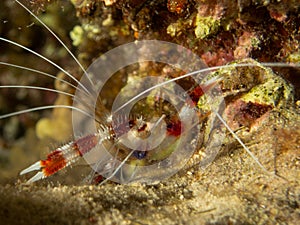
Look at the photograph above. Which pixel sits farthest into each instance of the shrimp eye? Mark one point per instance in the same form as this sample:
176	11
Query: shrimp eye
139	154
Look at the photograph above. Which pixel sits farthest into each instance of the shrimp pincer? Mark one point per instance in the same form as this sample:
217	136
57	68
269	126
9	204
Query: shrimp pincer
62	157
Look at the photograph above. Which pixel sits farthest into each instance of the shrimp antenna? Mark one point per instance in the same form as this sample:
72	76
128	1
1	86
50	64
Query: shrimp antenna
43	108
38	88
44	89
46	59
118	168
57	38
40	72
240	141
196	72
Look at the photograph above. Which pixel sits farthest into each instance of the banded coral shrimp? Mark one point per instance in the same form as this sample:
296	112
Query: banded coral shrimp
137	123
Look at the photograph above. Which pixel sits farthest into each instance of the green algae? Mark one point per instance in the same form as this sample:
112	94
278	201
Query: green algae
206	26
77	35
294	57
258	83
274	91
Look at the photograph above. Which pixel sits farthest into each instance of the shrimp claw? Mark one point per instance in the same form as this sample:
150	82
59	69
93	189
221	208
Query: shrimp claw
61	157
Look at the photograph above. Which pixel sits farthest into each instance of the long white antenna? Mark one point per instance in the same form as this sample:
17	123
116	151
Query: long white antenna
46	59
57	38
43	108
197	72
37	88
240	141
40	72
